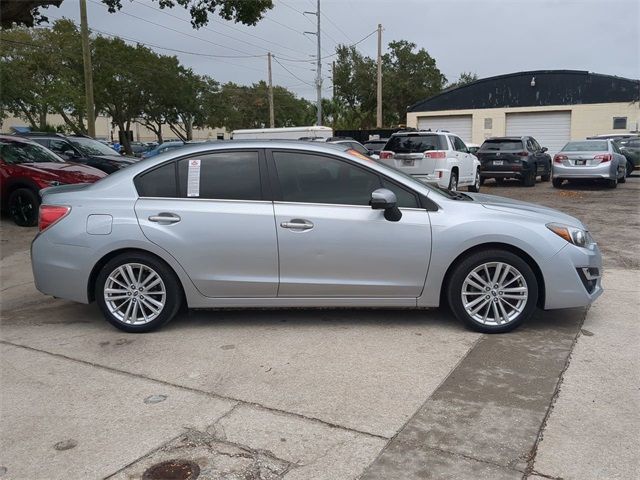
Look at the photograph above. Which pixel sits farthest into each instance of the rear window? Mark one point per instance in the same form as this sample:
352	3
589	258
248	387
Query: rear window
501	145
415	143
592	146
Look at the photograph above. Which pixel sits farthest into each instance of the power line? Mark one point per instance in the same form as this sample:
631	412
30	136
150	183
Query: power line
336	26
290	72
221	33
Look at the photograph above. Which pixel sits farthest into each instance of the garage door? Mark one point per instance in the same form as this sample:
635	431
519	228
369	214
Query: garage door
458	124
550	129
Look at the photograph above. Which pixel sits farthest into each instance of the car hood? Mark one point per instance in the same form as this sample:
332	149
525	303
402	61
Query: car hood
65	172
544	214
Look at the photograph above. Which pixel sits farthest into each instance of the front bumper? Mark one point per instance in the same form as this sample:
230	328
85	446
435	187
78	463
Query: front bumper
602	171
573	277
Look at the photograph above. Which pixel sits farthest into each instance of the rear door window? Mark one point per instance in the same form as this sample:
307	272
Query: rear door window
416	143
222	176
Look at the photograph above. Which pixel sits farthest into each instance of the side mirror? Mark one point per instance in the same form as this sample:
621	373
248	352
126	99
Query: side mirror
544	149
70	153
385	199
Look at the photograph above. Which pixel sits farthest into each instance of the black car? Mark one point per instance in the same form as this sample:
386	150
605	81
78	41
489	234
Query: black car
375	146
514	157
84	150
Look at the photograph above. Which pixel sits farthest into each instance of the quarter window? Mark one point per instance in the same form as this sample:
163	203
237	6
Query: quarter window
458	144
159	182
311	178
222	176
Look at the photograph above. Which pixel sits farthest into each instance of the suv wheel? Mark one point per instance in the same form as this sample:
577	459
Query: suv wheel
530	178
493	291
546	176
476	183
453	181
138	293
23	207
630	168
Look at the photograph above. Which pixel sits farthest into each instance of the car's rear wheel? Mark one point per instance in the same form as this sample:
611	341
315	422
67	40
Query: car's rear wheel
546	176
623	177
612	183
529	179
557	182
23	207
453	181
476	183
493	291
630	168
137	292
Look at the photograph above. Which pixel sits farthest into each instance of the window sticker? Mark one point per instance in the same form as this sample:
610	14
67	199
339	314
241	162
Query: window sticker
193	179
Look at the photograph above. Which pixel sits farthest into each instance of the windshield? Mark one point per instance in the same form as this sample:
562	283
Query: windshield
16	153
89	146
415	143
588	146
501	145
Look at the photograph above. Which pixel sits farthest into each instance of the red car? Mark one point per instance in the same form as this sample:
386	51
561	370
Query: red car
25	168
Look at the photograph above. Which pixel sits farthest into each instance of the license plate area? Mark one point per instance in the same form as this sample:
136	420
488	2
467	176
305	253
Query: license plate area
408	162
581	162
498	162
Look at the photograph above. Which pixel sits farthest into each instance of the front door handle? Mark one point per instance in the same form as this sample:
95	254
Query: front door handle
297	224
165	217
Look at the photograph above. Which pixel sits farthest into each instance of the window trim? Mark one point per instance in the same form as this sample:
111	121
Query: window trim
277	192
265	190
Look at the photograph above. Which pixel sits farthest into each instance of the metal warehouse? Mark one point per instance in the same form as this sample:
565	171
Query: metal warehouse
554	106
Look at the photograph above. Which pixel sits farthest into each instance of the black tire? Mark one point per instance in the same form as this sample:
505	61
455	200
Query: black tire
630	168
476	183
23	207
466	266
557	182
173	291
546	176
500	181
482	180
453	181
529	179
612	183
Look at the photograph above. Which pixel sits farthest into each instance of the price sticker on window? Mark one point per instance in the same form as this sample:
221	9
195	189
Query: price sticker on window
193	179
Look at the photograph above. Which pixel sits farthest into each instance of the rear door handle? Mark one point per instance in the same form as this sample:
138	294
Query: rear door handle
165	218
297	224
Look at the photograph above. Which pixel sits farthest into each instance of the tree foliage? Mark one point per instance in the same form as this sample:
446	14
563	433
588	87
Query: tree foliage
248	12
407	76
464	79
42	74
24	12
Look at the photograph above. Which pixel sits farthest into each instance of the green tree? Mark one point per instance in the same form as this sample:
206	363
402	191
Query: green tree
464	79
408	76
42	74
248	12
27	12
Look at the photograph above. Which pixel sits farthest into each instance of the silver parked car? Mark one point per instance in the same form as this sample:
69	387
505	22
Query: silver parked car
590	159
292	224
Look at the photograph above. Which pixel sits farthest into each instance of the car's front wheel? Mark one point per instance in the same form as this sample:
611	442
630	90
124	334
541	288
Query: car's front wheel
493	291
137	292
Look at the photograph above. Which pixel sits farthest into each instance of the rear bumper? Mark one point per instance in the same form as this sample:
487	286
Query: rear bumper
606	171
508	171
439	176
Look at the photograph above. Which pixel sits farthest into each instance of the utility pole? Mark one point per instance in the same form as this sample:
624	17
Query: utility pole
333	77
272	121
88	72
379	106
318	66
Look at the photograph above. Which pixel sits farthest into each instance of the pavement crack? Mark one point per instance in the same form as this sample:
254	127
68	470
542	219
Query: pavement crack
202	392
473	459
531	456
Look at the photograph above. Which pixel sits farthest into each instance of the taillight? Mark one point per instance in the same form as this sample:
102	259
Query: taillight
559	158
603	157
523	154
50	214
386	154
434	154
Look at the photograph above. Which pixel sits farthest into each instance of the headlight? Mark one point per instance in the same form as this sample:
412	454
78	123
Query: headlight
577	236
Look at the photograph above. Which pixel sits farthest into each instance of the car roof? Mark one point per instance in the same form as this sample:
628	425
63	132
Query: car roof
419	132
510	139
17	139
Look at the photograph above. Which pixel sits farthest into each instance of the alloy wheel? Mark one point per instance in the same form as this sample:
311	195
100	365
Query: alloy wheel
135	294
494	293
22	209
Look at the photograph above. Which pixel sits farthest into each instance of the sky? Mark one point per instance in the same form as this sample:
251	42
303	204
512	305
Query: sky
487	37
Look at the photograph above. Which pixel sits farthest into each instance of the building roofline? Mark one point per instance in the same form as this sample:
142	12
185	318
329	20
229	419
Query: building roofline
517	74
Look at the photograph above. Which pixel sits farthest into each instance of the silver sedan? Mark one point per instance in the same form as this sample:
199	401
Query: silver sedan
291	224
590	159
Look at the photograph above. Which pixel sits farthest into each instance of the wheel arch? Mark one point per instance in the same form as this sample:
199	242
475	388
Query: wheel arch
93	276
16	183
495	246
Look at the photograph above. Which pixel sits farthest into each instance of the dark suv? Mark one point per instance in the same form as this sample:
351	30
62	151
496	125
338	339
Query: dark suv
83	150
514	157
